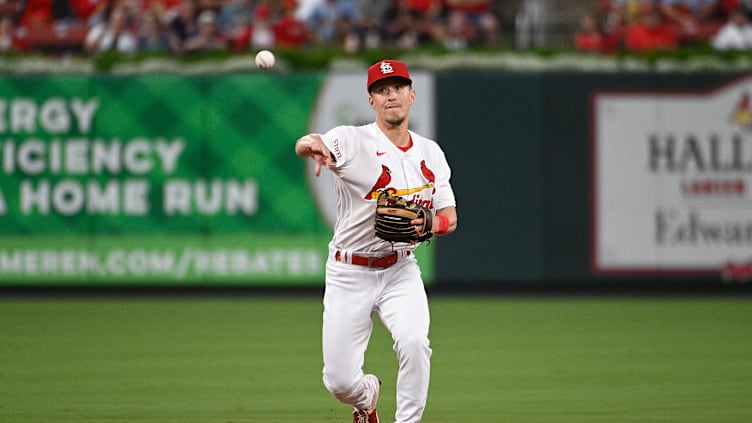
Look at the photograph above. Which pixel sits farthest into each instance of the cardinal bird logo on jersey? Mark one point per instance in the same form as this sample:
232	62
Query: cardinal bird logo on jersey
386	177
381	183
428	174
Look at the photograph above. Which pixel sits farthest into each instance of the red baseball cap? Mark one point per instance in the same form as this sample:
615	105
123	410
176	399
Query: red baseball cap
387	69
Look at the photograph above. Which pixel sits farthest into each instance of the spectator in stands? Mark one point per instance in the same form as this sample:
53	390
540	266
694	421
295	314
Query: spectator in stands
162	8
617	12
63	13
690	12
332	21
152	37
114	35
289	31
411	23
238	33
236	14
254	31
616	17
38	14
694	20
91	12
208	38
11	40
729	6
736	34
588	37
181	22
262	33
472	21
399	29
214	5
372	20
650	32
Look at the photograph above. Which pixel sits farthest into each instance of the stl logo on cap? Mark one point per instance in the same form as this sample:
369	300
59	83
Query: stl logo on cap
386	68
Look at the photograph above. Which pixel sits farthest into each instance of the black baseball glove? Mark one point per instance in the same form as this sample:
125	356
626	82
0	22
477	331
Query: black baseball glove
393	216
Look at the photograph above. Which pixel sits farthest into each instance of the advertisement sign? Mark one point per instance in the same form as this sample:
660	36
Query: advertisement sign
672	181
166	179
157	179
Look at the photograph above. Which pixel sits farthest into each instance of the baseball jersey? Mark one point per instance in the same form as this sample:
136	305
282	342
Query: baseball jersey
366	161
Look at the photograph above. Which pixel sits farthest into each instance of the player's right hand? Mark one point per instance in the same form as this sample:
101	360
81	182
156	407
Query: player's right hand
312	145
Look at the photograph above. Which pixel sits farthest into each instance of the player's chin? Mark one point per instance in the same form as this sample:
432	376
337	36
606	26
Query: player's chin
394	119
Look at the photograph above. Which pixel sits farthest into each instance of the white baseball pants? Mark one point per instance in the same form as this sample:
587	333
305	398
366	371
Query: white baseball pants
398	296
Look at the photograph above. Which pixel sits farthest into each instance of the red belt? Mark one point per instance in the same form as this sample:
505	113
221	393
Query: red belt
373	262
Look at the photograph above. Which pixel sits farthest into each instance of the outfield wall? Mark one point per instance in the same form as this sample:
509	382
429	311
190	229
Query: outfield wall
191	180
598	177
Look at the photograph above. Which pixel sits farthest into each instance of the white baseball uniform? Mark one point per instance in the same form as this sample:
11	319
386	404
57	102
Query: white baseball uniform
367	161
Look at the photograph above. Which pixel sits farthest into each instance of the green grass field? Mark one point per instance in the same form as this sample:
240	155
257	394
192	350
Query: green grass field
257	360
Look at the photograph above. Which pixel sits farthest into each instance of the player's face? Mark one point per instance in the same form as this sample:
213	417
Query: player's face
392	98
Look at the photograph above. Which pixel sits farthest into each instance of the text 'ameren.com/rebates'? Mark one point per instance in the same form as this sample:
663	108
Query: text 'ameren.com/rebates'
173	264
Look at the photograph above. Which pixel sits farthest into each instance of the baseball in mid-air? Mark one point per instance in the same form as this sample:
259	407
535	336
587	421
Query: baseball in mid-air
264	59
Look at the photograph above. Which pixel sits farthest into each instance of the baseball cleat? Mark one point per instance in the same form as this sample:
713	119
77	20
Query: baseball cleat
369	415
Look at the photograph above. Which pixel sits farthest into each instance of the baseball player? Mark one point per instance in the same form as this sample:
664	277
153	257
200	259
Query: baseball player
366	274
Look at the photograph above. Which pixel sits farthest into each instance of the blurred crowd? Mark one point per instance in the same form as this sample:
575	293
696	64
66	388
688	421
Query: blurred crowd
655	25
182	27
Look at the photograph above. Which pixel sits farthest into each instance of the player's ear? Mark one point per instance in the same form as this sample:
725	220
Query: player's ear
412	95
370	100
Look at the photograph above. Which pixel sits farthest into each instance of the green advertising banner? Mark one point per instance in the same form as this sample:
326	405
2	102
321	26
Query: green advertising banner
157	179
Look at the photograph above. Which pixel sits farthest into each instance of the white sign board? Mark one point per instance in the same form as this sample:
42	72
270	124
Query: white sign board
672	181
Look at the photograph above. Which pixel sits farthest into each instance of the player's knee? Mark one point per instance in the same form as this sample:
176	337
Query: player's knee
339	385
413	345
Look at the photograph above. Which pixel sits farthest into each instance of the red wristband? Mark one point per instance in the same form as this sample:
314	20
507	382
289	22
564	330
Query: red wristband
443	225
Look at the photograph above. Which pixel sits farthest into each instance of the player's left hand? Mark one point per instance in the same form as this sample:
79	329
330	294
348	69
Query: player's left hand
399	220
